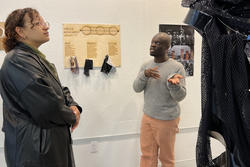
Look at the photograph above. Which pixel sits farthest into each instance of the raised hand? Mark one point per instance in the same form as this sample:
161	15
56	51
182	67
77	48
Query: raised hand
152	72
175	79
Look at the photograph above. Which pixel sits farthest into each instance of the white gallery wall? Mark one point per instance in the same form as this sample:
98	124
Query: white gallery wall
108	133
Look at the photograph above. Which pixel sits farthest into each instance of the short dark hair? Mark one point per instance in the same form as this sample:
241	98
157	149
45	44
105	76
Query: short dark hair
164	36
15	19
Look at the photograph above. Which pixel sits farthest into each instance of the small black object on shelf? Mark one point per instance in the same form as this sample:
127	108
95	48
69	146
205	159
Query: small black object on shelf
88	66
107	66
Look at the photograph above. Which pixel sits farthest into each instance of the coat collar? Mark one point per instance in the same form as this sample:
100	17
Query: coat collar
34	54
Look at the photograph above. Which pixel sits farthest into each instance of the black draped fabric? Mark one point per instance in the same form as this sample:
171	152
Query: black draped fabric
235	15
225	77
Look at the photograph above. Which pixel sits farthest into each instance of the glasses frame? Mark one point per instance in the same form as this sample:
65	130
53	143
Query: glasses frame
42	24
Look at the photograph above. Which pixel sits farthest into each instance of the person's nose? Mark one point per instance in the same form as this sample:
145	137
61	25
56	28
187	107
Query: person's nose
45	28
45	25
153	44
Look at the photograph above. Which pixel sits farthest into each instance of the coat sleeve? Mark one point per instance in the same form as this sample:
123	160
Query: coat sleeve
69	99
46	107
37	94
67	96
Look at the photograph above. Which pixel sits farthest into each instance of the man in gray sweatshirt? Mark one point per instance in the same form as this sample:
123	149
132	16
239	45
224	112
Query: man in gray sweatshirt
162	80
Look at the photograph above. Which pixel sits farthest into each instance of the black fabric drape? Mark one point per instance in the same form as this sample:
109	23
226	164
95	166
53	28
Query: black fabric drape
224	77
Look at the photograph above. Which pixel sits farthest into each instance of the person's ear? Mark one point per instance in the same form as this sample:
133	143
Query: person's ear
20	33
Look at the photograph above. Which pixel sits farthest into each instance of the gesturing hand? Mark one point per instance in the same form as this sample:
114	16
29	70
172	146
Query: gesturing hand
77	114
175	79
152	72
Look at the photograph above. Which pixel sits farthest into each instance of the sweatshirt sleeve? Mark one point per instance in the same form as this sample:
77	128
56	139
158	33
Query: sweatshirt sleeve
140	81
178	92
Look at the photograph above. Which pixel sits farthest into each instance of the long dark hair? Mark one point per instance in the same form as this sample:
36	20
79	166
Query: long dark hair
15	19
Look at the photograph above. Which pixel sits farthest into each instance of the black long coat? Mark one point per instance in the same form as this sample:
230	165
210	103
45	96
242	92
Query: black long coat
36	113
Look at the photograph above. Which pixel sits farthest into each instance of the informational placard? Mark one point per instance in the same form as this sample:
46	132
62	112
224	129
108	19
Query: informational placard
91	41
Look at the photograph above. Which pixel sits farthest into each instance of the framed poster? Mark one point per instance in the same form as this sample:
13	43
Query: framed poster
182	45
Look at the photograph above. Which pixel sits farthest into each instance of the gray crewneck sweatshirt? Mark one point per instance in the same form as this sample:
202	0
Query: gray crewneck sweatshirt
161	97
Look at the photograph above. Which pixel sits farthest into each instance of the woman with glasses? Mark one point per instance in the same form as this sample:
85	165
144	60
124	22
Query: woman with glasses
37	111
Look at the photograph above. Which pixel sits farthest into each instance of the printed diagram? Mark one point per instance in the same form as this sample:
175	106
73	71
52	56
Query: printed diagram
91	41
99	30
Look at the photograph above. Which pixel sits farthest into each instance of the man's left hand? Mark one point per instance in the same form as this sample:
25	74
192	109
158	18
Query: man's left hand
175	79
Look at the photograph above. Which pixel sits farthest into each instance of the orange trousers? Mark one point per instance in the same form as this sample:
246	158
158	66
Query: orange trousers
157	140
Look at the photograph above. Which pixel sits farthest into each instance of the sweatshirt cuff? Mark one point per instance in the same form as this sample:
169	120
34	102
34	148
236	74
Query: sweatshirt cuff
171	75
142	76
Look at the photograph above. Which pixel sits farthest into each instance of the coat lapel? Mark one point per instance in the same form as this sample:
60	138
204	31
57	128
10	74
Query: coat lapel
49	70
36	56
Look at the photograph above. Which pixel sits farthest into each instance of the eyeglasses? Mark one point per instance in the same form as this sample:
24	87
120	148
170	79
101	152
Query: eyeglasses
42	24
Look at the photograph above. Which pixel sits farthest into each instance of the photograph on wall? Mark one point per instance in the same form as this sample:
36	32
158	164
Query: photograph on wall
182	45
91	41
1	35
